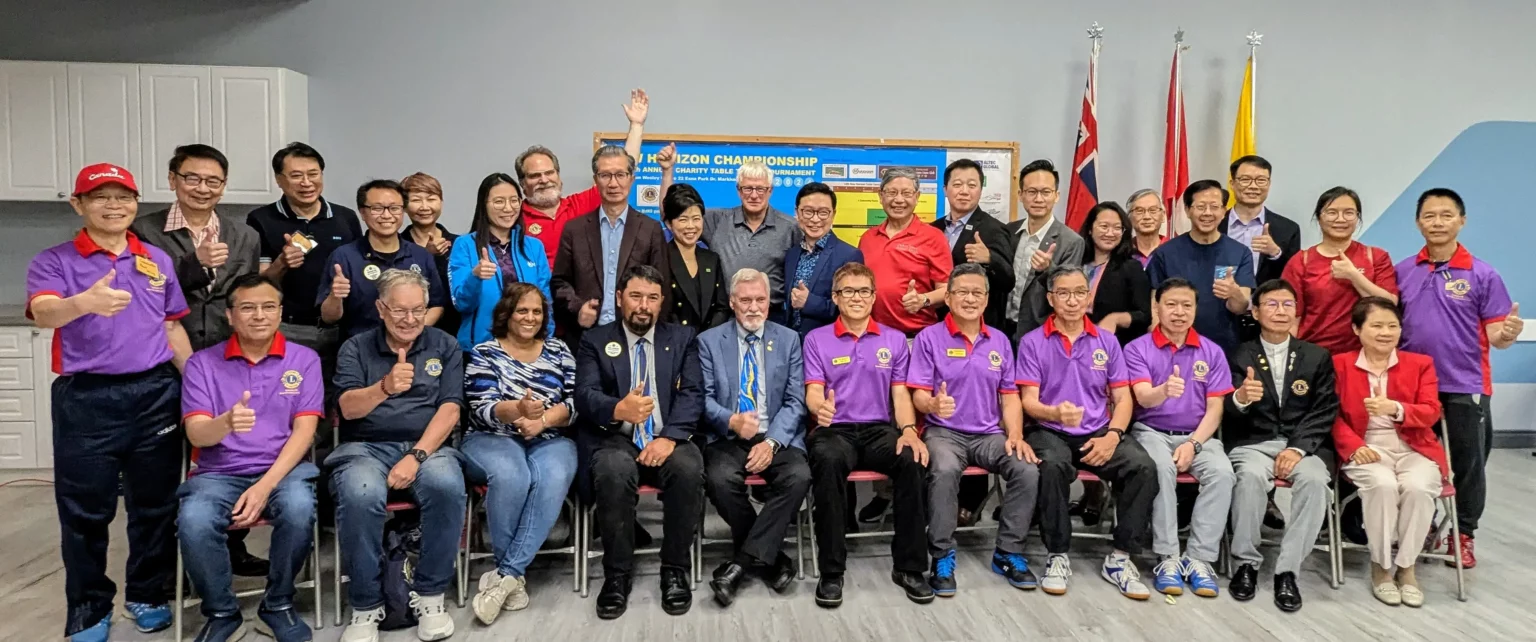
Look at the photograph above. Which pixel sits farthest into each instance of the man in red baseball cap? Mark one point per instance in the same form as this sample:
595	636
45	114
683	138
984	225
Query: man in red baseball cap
115	306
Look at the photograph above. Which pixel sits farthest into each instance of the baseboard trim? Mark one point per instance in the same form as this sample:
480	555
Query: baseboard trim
1514	439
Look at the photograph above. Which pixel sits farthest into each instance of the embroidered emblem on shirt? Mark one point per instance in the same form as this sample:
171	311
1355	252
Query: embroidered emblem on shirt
883	355
612	349
157	282
995	358
291	381
1201	369
1100	358
371	272
536	229
841	361
416	268
1299	387
434	367
1458	288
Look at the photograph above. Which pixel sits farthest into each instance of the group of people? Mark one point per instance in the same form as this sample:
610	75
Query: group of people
568	343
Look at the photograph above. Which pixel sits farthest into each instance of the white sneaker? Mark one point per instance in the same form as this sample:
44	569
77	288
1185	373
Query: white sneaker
364	626
1057	570
432	619
1121	571
494	590
517	594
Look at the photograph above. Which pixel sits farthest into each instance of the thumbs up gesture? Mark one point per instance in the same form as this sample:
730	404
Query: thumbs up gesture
976	251
1041	259
1343	269
400	377
1173	388
1513	324
1226	287
341	286
293	255
666	157
827	410
944	405
212	254
1378	405
1265	244
1251	391
486	268
241	417
587	316
438	245
1071	414
103	299
913	300
798	296
635	406
530	407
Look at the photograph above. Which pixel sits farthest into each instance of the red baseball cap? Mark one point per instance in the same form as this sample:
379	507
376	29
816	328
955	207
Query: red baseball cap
94	176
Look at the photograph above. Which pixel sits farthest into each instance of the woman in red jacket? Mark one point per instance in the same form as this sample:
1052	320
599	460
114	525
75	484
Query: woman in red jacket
1388	407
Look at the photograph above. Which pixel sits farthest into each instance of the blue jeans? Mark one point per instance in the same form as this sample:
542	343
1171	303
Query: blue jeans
207	506
526	485
360	486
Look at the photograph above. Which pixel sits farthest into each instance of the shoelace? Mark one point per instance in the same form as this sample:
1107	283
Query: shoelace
1058	566
946	565
420	606
1167	566
367	617
1016	560
1128	571
1199	568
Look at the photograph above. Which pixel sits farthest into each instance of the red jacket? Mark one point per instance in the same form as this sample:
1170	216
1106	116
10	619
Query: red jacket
1412	383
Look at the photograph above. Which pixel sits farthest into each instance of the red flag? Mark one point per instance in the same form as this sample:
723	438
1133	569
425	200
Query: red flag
1175	149
1083	189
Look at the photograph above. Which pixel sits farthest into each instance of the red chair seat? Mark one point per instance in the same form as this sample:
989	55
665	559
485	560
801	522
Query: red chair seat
974	470
1447	490
1186	478
1085	476
648	490
866	476
1282	483
754	480
399	506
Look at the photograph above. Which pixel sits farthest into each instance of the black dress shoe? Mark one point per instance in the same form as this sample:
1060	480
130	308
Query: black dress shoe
874	510
1273	518
915	585
781	574
1244	583
676	591
829	591
613	599
244	564
727	581
643	537
1287	596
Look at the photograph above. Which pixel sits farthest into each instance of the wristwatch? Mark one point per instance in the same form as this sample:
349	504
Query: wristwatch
419	454
904	429
1119	432
774	445
1198	446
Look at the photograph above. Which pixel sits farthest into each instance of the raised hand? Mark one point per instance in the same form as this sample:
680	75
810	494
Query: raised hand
587	317
639	105
666	158
1173	388
913	301
1265	244
341	286
944	405
486	268
241	417
827	411
1250	391
439	245
1071	414
1513	324
400	376
292	255
1343	270
213	254
103	299
1226	288
976	251
798	296
635	406
1041	259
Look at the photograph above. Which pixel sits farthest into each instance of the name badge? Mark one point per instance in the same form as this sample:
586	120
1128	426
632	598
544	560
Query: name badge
146	266
841	361
956	352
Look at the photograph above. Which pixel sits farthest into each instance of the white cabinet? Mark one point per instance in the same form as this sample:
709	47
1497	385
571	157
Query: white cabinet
56	117
175	110
26	428
34	131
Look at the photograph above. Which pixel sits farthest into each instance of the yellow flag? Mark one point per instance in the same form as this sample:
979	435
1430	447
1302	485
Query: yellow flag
1242	129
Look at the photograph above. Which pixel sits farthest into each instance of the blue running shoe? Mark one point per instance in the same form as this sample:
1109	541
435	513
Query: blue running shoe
1168	576
943	578
98	632
1015	568
148	618
1202	580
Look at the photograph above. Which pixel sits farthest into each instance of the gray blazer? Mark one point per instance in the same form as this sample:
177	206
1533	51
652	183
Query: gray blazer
205	322
783	377
1033	308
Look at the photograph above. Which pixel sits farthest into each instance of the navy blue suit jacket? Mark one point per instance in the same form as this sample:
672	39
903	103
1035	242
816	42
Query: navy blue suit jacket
819	309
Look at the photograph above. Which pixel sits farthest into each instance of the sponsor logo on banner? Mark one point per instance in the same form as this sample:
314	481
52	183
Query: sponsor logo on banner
649	195
834	171
863	171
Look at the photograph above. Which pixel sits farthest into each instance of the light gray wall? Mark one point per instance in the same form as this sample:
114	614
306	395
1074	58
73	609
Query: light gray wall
1362	93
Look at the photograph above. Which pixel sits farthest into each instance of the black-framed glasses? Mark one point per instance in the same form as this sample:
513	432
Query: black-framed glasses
193	180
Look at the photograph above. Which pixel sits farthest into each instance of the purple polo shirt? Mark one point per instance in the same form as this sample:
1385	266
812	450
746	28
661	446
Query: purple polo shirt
1202	364
1081	372
975	373
284	385
1445	310
131	341
859	370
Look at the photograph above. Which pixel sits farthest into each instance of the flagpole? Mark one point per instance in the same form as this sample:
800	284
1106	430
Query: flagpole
1178	130
1254	40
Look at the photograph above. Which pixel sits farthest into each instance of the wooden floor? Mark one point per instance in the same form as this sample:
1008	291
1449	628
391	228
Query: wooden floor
32	586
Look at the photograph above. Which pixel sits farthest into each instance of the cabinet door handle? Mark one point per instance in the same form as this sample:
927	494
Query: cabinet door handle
61	195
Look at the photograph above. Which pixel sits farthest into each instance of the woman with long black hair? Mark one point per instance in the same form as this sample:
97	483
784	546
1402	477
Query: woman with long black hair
1119	294
494	254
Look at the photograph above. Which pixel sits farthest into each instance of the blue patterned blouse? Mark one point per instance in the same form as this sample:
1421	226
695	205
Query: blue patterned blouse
493	375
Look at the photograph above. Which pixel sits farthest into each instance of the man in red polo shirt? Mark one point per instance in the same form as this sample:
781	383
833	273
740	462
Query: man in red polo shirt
911	261
545	212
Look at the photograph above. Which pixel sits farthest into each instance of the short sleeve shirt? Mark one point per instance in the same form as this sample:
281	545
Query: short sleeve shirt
1323	303
763	249
974	373
1202	364
365	359
131	341
1446	307
918	253
362	265
1200	264
547	229
285	384
858	369
332	228
1082	372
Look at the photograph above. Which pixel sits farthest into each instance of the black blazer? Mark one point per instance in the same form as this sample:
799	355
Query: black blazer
1287	235
451	318
1124	288
684	304
1000	277
205	321
577	276
1306	418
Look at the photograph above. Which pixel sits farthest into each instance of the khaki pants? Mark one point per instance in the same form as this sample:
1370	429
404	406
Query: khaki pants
1398	496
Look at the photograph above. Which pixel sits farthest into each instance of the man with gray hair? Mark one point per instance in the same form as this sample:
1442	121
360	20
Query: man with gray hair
911	261
754	422
402	389
1148	216
753	234
545	212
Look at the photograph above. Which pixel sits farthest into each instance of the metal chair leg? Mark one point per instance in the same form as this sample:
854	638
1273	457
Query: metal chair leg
317	575
466	546
1335	550
800	539
810	518
586	559
181	587
1461	580
576	548
336	550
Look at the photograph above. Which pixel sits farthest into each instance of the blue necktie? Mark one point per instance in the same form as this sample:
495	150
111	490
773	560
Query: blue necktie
646	432
746	399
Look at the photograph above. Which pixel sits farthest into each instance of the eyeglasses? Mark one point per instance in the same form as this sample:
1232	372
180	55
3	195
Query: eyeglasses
1042	194
1155	210
380	209
969	294
753	189
1110	228
1207	208
250	309
856	293
506	203
612	177
299	177
1251	181
902	193
103	200
193	180
816	214
400	315
1070	295
1276	305
1340	215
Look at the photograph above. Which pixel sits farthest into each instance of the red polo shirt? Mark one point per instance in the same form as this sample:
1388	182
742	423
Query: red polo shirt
1323	303
547	228
918	253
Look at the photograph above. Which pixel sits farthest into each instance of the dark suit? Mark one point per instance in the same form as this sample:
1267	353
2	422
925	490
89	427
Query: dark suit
1033	306
819	309
699	301
578	271
205	321
999	242
1304	421
1124	288
451	318
606	461
1287	235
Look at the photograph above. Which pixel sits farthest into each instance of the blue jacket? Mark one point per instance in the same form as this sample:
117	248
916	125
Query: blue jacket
783	376
819	309
477	298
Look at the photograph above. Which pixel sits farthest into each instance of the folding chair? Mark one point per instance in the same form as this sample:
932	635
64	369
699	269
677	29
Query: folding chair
1330	545
184	601
468	553
995	488
584	535
800	522
1109	503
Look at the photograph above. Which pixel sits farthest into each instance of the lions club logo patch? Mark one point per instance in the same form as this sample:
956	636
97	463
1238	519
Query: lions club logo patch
883	355
1458	288
1300	388
1100	358
291	380
1201	369
434	367
157	280
535	229
995	359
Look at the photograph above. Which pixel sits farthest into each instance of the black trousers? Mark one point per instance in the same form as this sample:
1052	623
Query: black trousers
1129	471
105	426
616	480
757	536
840	449
1470	439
